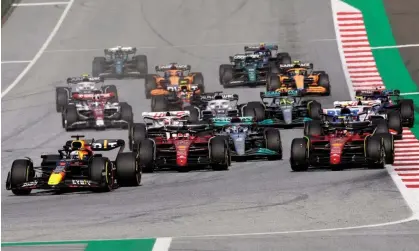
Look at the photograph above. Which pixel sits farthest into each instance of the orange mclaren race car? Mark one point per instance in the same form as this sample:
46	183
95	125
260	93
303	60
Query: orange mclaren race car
174	74
301	77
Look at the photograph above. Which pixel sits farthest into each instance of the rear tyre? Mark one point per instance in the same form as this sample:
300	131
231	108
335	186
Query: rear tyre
283	58
314	110
222	69
126	114
375	152
381	126
254	109
137	133
273	83
227	77
394	121
407	111
128	170
274	143
146	155
70	116
313	128
111	89
141	64
101	172
324	82
61	98
198	80
150	84
22	171
299	155
219	154
98	66
193	113
158	104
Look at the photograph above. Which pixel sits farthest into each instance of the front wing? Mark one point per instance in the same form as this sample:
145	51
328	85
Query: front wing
98	125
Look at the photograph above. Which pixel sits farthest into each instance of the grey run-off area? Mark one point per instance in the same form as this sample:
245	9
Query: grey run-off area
251	197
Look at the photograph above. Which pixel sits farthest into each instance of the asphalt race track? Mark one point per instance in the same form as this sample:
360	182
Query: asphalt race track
251	197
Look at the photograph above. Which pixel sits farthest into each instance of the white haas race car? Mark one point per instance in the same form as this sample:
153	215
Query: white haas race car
369	110
154	123
212	105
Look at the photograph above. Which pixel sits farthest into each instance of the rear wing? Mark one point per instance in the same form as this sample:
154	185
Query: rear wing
257	47
187	128
301	65
350	126
128	50
233	120
90	96
76	80
159	115
357	103
107	144
334	112
274	94
244	56
218	95
376	92
183	67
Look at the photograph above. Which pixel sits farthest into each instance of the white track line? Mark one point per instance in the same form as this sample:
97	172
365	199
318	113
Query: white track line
16	62
162	244
394	46
41	51
38	4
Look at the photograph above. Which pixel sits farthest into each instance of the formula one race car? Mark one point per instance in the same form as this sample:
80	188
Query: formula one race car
245	70
342	143
248	139
385	96
84	85
174	74
213	104
95	111
181	147
176	97
120	62
153	122
362	110
266	53
300	76
77	167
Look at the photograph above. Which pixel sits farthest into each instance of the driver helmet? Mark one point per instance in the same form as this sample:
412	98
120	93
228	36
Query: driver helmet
262	46
345	111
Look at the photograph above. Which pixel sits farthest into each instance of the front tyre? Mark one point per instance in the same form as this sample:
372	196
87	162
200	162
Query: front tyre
128	170
299	155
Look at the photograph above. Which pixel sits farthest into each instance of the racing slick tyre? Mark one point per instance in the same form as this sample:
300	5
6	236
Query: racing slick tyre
283	58
198	80
394	121
98	66
101	172
255	109
314	110
381	126
61	98
227	77
22	171
141	64
273	142
219	154
111	89
146	155
222	69
407	111
69	117
193	113
126	114
313	128
299	154
273	83
158	104
388	144
273	68
128	170
136	134
150	84
375	152
325	83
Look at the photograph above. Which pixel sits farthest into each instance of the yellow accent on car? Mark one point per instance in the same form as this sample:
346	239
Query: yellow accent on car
55	179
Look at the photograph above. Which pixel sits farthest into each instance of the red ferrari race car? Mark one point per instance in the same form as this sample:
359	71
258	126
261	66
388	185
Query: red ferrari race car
342	143
183	146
